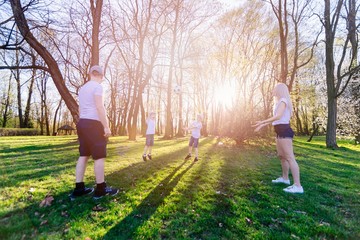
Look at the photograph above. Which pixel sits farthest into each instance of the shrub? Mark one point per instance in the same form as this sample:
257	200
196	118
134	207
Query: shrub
18	132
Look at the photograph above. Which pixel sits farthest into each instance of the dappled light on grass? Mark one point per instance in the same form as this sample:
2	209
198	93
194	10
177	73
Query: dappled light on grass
227	194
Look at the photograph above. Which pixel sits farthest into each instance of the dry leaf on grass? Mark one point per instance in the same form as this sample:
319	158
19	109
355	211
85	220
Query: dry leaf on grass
99	208
47	201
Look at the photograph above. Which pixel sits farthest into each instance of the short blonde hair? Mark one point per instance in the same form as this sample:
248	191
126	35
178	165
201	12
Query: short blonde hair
281	90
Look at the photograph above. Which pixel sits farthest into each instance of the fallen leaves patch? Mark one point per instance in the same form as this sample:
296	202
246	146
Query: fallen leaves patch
47	201
99	208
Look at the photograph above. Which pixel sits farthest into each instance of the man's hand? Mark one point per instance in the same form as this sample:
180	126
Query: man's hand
107	132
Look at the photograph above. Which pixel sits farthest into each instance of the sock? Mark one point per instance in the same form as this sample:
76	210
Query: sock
101	186
80	185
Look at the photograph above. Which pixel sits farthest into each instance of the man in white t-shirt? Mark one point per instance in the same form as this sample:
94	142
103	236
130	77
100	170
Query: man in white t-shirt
150	132
195	128
93	131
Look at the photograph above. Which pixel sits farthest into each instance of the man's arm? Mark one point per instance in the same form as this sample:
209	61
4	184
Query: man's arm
102	114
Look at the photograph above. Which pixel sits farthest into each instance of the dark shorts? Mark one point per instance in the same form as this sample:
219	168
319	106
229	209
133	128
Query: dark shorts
149	140
283	131
194	142
91	138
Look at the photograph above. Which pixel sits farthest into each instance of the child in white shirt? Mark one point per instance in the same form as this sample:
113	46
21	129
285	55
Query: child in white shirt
195	128
150	132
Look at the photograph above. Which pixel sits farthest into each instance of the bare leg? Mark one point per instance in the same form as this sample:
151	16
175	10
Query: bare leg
150	148
196	152
99	170
287	148
190	149
284	163
80	168
145	149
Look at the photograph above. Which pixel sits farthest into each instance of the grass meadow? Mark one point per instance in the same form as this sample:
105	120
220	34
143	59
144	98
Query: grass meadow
227	194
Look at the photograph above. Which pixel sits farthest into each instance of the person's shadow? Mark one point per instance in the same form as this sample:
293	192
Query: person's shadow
128	226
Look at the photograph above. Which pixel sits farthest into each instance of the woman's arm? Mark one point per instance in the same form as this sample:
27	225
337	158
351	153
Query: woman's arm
279	112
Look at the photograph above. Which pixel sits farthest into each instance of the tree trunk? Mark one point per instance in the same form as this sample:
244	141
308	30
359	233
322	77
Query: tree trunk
96	17
6	105
134	111
180	132
299	127
330	79
143	116
159	127
27	122
18	88
53	67
135	117
169	126
46	112
281	15
313	133
204	129
331	123
54	133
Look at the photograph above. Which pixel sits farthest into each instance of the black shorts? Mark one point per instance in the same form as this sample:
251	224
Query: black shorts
283	131
91	138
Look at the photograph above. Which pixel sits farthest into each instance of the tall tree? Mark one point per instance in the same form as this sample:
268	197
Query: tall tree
142	29
53	68
52	65
294	53
338	77
176	8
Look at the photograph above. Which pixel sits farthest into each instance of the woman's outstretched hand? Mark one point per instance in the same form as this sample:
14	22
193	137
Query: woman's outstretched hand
258	125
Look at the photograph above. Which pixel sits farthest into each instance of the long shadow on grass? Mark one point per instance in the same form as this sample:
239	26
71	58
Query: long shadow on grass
64	213
247	205
219	219
314	148
128	226
127	177
283	215
34	162
187	217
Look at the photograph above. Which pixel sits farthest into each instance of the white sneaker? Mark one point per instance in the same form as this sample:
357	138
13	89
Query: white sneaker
281	180
294	189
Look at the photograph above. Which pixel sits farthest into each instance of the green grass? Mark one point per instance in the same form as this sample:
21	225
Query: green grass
226	195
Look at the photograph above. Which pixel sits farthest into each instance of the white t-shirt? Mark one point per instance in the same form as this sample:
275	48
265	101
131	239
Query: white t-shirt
285	118
150	126
87	106
195	129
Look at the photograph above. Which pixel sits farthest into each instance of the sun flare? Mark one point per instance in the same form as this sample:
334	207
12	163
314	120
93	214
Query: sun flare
225	94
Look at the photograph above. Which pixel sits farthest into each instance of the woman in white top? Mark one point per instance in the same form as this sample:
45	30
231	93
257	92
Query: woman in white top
284	139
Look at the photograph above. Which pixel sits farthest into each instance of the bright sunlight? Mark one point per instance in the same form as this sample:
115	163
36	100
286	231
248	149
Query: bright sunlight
225	94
